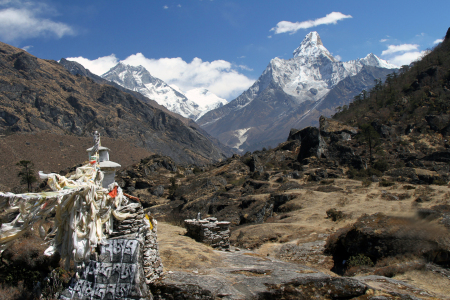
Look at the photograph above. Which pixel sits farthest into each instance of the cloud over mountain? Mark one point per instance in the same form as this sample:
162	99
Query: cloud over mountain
286	26
219	76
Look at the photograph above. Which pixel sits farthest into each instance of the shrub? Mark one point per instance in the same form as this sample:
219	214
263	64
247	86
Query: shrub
359	260
386	183
196	170
381	165
366	182
335	215
439	181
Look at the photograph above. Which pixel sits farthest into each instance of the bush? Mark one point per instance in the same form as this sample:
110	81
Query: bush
359	260
196	170
381	165
386	183
335	215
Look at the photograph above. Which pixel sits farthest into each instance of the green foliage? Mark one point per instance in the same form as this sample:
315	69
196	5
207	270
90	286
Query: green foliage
386	183
408	95
56	282
371	137
238	182
381	165
439	181
363	173
26	173
359	260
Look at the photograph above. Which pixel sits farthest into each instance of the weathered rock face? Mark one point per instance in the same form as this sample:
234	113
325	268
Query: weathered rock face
124	265
210	232
312	143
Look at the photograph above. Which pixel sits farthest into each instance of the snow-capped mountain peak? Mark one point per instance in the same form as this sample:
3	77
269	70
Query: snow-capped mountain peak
312	46
374	61
290	93
139	79
194	104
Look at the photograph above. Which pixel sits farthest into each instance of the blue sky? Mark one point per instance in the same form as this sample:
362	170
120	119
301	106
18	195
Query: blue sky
217	44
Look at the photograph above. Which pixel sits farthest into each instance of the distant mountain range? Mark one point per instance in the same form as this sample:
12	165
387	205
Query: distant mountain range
194	104
292	93
39	95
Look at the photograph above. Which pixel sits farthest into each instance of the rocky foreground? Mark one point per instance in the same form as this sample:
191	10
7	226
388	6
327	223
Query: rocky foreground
317	202
243	274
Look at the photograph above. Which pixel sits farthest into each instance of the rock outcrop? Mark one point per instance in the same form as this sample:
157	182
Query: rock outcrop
210	232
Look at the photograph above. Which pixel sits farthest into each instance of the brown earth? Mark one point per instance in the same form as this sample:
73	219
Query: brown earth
56	152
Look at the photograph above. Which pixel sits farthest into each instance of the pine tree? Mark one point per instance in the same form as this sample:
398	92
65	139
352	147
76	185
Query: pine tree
26	174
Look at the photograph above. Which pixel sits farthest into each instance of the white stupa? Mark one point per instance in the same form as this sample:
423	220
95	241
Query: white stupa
106	166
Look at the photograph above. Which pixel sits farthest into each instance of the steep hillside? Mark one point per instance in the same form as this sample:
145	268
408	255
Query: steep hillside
415	98
77	69
41	96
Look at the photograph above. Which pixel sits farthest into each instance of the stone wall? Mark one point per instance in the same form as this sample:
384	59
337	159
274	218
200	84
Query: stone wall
123	266
209	231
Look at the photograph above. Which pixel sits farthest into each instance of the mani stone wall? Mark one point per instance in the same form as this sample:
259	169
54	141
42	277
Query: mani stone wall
125	265
209	231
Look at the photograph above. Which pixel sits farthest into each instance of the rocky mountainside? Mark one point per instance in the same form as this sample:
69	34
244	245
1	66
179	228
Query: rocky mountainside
291	93
140	80
318	200
42	96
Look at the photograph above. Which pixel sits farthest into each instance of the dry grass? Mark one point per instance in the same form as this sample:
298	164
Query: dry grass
428	281
54	152
179	252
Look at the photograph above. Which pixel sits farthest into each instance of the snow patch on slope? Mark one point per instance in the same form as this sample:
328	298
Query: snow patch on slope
241	135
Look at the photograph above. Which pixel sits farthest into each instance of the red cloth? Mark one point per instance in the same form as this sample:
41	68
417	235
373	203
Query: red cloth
113	193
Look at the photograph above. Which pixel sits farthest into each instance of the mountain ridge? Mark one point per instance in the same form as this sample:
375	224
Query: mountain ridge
140	80
298	83
42	96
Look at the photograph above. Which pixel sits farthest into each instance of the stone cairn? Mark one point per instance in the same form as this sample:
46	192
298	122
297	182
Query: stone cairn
123	266
210	232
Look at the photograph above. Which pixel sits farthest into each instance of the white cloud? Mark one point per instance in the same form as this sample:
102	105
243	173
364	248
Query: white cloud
383	40
244	67
179	5
165	7
26	48
219	76
400	48
403	54
21	20
406	58
286	26
438	41
338	57
97	66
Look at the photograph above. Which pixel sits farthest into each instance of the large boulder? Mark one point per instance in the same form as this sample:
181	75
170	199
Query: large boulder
312	143
439	123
